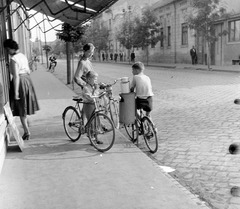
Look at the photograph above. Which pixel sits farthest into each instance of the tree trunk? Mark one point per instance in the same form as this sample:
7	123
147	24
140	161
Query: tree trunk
208	55
69	72
72	69
147	54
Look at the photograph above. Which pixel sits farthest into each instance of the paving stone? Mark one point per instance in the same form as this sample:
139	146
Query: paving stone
197	121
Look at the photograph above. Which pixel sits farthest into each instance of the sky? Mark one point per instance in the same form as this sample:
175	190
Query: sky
37	33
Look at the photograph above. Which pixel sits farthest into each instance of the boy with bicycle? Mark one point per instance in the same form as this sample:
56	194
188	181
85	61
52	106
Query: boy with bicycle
89	90
141	84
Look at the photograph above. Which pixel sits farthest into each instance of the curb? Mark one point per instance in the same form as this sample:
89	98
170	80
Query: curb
175	67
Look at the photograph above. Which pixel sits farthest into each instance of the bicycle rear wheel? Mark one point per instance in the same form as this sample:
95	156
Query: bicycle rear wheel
114	112
150	134
132	131
72	123
101	132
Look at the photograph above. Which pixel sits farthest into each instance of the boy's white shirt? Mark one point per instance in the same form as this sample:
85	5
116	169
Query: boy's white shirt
87	93
142	85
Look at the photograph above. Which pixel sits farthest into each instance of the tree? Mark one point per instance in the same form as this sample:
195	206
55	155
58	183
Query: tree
147	30
202	18
47	49
125	34
98	35
70	34
59	47
141	32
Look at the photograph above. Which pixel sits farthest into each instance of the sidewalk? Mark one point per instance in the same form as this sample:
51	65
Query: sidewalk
55	173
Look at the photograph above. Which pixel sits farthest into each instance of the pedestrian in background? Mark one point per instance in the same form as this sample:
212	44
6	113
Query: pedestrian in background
193	54
121	56
106	56
133	56
23	100
115	56
35	60
84	65
103	56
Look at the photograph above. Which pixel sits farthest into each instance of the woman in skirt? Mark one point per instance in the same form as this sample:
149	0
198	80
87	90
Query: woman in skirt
23	99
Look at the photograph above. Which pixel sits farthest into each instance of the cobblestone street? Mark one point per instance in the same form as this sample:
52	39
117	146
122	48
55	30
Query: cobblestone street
197	121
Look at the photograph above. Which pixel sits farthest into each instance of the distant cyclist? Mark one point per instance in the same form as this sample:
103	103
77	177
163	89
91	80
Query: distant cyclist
53	63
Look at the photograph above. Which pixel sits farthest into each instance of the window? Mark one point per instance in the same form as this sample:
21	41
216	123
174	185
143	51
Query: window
169	36
161	20
161	35
184	34
234	30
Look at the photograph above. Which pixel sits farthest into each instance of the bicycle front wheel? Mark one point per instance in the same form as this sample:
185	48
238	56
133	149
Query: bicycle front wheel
150	134
132	131
72	123
101	132
114	113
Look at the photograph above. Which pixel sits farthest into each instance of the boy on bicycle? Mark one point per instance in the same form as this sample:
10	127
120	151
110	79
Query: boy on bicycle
141	84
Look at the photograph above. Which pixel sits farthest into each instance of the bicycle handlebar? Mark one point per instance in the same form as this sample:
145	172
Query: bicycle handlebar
105	85
99	96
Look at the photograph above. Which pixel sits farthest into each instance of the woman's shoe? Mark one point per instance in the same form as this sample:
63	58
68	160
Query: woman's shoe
26	136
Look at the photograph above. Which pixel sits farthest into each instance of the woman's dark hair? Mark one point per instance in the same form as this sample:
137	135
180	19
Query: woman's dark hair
88	46
9	43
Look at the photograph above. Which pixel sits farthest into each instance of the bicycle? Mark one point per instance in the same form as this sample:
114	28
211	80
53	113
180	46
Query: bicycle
52	66
109	103
99	127
144	126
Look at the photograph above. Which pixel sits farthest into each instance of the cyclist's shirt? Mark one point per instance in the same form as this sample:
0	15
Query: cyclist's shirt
142	85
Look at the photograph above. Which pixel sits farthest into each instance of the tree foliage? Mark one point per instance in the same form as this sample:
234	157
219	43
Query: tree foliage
146	30
142	31
59	47
98	35
70	33
47	48
125	35
202	18
74	35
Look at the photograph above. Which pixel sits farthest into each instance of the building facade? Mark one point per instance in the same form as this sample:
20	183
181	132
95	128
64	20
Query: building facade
178	38
10	27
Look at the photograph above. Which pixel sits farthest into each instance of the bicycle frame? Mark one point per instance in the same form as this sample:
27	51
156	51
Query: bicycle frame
109	103
96	110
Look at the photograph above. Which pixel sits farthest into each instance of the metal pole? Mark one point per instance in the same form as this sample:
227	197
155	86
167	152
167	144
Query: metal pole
45	41
9	20
129	35
40	45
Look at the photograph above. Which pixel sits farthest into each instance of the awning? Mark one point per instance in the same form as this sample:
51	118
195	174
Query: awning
74	12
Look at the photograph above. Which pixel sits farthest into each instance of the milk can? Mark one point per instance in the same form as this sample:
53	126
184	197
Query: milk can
125	85
127	108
